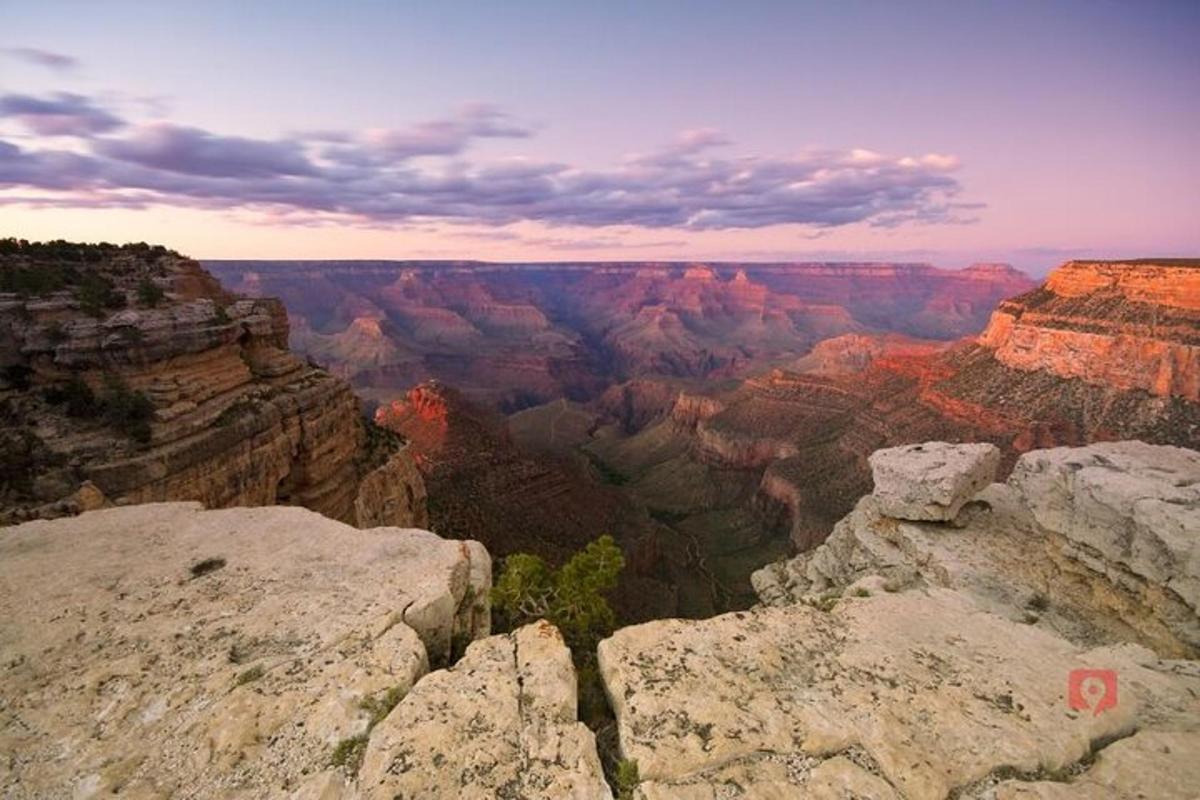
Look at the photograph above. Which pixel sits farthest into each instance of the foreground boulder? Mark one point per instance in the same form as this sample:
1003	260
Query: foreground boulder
163	650
916	694
499	724
906	659
931	481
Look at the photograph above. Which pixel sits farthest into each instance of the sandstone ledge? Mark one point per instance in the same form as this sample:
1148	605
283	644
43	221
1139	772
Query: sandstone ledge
163	650
499	724
910	659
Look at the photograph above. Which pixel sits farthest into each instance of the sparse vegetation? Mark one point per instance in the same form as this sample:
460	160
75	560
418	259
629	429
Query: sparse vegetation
97	294
76	395
149	294
627	779
348	754
381	443
380	707
572	598
861	592
1039	602
221	316
127	410
250	675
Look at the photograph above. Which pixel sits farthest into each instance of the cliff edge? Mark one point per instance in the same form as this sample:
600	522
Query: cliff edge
128	375
1039	641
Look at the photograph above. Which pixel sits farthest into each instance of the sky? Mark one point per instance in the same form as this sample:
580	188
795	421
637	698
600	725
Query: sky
950	132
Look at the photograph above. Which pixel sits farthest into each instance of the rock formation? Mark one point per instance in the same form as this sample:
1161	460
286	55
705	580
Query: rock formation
516	335
1100	352
923	660
162	650
129	375
500	723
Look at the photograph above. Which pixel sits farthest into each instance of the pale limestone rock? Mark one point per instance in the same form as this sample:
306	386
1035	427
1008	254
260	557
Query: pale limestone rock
933	480
164	650
1163	765
499	724
1016	567
923	690
1133	504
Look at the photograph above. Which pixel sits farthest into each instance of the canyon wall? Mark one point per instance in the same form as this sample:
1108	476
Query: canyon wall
138	379
1101	351
516	335
1132	326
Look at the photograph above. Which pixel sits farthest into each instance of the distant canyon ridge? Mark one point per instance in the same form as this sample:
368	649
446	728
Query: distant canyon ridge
516	335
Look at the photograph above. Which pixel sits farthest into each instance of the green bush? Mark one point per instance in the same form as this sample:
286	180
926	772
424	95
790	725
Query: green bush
149	294
97	294
571	597
627	779
127	410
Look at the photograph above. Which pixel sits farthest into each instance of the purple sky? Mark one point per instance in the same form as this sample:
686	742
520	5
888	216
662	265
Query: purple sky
949	132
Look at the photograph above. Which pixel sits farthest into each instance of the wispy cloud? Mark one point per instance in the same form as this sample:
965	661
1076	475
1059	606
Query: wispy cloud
407	175
60	114
42	58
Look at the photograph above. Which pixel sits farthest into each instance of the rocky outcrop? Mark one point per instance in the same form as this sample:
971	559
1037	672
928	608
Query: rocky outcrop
1133	326
500	723
1124	507
922	660
1118	341
162	386
1102	540
164	650
931	480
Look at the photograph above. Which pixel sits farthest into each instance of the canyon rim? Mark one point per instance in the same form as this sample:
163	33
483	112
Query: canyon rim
658	401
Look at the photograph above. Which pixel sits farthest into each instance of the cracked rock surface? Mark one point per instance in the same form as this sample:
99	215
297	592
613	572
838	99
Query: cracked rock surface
167	651
499	724
912	660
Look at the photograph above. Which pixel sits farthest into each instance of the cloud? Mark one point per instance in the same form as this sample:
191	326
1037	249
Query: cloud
419	174
43	58
62	114
193	151
449	136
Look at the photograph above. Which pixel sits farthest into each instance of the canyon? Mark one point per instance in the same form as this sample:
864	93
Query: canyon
516	335
715	417
879	551
129	375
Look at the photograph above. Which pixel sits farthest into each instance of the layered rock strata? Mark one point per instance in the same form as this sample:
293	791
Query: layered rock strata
190	396
166	651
